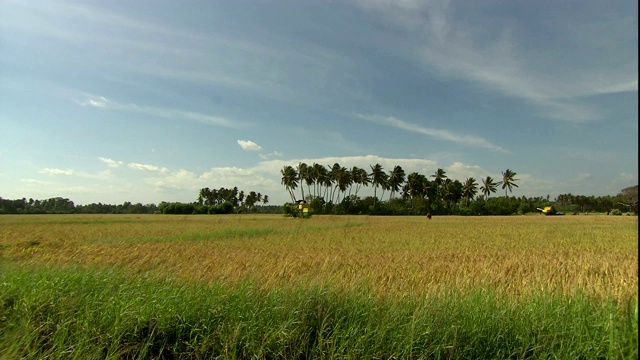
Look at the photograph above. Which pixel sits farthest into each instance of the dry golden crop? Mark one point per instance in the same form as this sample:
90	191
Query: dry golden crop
395	256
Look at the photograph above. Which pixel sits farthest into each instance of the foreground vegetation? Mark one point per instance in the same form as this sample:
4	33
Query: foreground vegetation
241	286
80	313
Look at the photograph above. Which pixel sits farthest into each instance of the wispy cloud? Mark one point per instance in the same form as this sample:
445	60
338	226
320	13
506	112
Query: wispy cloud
180	115
35	182
249	145
496	59
55	172
111	163
468	140
71	172
150	168
271	155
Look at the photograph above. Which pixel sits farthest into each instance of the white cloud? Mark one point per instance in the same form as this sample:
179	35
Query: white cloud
111	163
271	155
181	115
56	172
35	182
249	145
469	140
82	174
144	167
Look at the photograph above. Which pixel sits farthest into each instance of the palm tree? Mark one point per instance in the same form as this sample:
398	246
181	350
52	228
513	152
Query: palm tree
396	178
315	171
334	176
363	179
415	187
488	187
439	178
290	180
344	180
451	192
378	178
302	175
322	179
469	189
339	176
354	177
508	180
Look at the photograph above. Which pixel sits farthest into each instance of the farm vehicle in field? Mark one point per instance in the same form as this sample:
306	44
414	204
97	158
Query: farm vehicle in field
300	209
549	210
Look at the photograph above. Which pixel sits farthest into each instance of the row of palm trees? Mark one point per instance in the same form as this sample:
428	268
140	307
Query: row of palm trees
332	182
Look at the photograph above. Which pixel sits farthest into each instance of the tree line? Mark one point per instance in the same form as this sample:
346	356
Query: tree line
332	185
60	205
626	201
209	201
334	190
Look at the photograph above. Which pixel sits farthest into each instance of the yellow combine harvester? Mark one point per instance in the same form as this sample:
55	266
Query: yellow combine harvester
548	210
301	209
304	210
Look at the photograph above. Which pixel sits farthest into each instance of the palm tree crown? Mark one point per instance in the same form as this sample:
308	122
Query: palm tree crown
488	186
290	180
469	189
396	178
508	180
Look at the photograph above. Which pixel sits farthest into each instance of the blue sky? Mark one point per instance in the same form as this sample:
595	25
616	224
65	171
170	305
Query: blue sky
149	101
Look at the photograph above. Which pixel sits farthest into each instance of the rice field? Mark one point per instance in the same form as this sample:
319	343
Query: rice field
486	269
389	255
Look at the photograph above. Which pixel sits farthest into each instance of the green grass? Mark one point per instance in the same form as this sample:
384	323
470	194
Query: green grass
89	313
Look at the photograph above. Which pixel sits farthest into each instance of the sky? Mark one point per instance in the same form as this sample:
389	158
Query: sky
150	101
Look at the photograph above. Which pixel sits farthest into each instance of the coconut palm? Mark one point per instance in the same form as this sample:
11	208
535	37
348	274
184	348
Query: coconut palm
303	170
290	180
508	180
340	181
334	176
322	179
439	178
344	181
469	189
316	171
415	187
488	186
378	178
396	178
354	177
362	179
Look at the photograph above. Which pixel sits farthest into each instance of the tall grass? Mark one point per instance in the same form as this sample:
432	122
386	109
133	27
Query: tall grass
76	313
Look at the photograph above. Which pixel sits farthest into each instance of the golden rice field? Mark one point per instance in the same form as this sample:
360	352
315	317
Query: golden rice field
392	256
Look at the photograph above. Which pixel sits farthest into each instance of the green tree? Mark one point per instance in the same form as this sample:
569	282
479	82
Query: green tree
469	189
378	178
508	180
488	187
362	179
396	179
290	180
438	179
302	169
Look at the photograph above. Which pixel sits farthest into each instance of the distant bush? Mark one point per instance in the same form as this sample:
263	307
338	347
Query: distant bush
178	208
615	212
